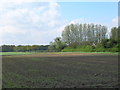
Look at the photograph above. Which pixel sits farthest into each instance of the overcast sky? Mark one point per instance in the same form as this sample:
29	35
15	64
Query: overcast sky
40	22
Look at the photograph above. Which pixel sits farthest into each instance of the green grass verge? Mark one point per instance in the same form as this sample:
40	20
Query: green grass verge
15	53
27	53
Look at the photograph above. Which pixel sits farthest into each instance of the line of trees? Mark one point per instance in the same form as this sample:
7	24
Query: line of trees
21	48
78	33
87	36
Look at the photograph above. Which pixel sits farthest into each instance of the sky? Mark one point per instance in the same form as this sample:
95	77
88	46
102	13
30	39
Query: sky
29	23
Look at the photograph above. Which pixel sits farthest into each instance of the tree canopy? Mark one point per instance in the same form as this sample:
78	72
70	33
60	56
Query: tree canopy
57	45
78	33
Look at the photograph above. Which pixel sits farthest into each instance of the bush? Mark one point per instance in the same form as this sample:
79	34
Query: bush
57	45
88	48
99	48
80	48
68	49
114	49
108	43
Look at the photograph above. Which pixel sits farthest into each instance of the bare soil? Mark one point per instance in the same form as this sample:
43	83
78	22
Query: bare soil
69	70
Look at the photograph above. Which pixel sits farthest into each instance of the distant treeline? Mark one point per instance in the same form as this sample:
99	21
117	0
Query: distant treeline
21	48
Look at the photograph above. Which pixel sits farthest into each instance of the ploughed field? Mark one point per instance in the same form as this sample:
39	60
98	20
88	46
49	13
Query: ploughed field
67	70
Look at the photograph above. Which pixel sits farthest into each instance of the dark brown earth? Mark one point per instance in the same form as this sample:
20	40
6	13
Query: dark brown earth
60	71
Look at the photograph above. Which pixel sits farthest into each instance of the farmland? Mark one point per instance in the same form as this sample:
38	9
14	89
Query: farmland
60	70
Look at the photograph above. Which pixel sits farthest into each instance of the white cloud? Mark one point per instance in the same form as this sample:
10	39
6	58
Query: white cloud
10	30
25	1
41	8
36	23
21	1
116	21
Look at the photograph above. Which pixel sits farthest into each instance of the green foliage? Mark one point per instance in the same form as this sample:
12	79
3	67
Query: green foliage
86	48
99	48
57	45
69	49
108	43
